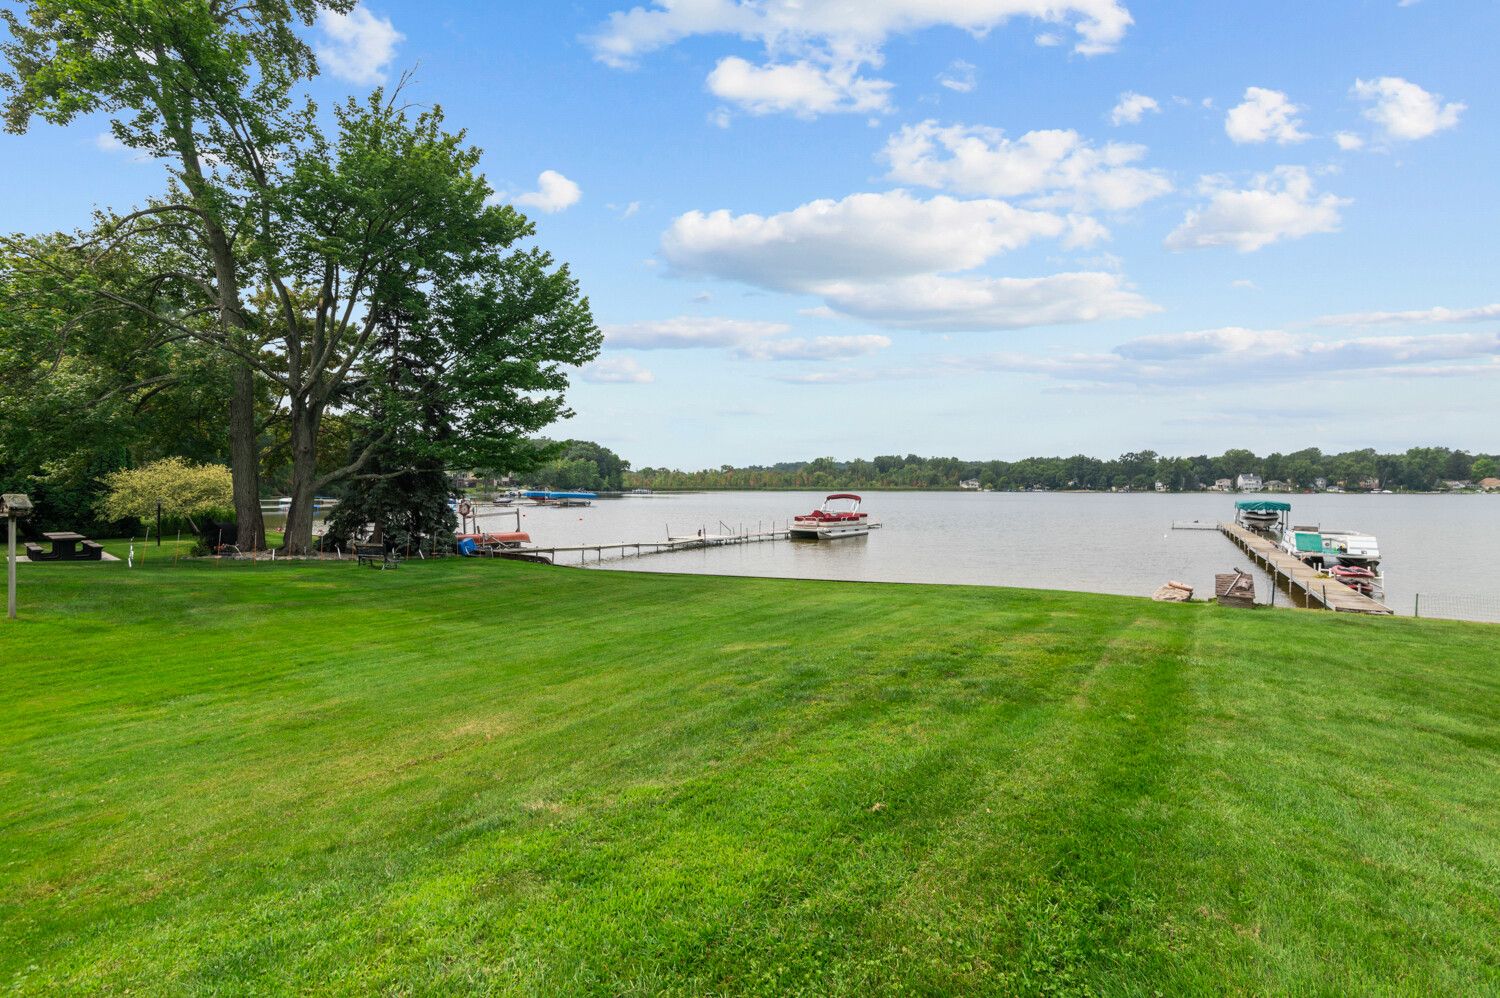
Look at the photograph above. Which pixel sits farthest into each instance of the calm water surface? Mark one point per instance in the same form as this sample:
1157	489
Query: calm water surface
1447	548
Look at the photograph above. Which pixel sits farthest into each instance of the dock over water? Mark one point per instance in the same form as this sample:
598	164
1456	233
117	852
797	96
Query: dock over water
629	549
1305	585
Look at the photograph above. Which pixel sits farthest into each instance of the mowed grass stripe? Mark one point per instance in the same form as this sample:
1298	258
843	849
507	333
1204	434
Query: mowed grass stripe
512	779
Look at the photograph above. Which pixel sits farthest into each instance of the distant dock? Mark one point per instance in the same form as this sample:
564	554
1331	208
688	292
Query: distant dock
1306	586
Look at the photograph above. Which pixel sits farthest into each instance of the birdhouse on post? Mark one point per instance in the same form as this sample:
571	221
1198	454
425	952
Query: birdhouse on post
13	506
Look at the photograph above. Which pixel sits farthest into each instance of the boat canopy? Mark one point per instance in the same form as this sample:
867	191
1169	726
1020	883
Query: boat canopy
559	495
843	495
1263	506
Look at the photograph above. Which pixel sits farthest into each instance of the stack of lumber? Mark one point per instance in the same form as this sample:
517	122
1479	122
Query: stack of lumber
1173	592
1235	589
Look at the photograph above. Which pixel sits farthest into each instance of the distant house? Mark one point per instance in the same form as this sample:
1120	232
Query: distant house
1320	484
1276	485
1249	483
1458	486
1223	484
971	484
1161	486
1490	484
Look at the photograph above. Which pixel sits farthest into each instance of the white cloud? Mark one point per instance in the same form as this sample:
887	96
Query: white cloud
1131	107
688	332
554	193
1403	110
884	257
816	48
749	339
1264	115
871	235
937	302
816	348
617	371
1244	285
1234	355
799	88
357	46
1348	141
1281	205
1059	168
107	142
1438	314
961	77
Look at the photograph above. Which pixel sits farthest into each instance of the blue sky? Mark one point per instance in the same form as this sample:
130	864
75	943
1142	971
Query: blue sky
960	227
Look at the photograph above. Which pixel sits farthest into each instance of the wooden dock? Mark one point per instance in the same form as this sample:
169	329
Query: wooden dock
1306	586
636	549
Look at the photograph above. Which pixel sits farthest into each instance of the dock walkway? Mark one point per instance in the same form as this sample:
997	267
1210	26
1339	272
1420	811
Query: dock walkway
630	549
1305	585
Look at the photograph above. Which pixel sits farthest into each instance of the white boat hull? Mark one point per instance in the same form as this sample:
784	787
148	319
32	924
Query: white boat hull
829	531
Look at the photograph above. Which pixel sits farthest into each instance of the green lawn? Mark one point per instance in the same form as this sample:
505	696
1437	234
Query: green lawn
497	777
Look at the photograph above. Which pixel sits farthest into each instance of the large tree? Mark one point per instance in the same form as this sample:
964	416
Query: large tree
330	235
205	86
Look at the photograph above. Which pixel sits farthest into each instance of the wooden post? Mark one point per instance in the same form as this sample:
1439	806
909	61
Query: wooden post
1416	611
10	602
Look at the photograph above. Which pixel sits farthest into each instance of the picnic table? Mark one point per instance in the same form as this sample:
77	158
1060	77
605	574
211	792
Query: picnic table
65	548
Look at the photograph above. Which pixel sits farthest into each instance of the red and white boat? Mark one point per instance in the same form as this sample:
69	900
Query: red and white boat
1356	577
839	516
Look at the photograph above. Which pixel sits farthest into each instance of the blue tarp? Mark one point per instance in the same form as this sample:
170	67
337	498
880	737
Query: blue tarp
1263	506
559	495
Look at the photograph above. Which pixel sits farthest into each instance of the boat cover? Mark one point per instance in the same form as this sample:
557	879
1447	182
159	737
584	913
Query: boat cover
559	495
1263	506
1312	543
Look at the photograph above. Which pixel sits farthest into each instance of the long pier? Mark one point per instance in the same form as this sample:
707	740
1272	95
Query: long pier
636	549
1305	585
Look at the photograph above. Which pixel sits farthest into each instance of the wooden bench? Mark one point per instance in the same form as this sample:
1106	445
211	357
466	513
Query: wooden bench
376	554
92	551
34	552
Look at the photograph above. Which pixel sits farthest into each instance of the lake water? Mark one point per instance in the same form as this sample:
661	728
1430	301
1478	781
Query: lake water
1447	548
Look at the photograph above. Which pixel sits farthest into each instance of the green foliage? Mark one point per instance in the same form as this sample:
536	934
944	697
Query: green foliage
87	387
468	777
381	229
1419	469
581	464
180	489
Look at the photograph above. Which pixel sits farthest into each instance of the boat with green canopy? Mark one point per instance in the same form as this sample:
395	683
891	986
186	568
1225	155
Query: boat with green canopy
1261	514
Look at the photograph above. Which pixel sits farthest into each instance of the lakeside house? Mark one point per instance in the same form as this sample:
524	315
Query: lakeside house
1249	483
1454	486
1490	484
1276	485
1320	484
1161	486
1222	484
969	484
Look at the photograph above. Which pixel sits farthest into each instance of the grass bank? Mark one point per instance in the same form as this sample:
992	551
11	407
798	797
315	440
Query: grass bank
497	777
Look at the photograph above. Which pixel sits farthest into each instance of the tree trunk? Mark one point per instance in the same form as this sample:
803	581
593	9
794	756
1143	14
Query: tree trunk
244	460
297	539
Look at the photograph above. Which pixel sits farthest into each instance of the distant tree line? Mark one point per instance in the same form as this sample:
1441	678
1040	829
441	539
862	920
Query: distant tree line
1418	469
579	464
